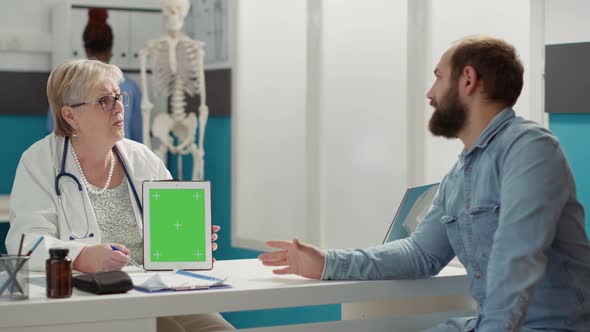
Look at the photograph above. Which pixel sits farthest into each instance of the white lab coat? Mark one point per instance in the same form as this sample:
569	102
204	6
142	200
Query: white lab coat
35	209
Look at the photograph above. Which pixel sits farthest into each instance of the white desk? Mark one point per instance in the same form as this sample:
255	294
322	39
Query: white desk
253	287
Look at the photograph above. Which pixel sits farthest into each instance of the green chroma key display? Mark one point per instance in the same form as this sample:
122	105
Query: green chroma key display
177	225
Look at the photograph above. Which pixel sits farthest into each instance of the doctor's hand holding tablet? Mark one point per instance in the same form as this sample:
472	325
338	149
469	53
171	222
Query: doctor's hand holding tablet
177	231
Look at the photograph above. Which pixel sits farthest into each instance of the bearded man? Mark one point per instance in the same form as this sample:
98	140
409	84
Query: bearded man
507	208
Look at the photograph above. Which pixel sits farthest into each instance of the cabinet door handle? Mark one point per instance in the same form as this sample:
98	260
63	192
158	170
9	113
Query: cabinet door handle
123	54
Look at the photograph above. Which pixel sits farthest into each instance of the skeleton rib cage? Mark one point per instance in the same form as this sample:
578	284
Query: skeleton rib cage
177	71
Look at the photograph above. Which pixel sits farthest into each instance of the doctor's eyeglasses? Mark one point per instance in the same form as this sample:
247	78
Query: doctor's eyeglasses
108	102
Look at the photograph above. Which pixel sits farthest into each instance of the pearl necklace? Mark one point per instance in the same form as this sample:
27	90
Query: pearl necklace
85	181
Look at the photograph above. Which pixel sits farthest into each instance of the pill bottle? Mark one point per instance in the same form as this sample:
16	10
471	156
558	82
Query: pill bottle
58	270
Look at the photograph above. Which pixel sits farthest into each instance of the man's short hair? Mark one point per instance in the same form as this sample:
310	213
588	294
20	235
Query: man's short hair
72	81
496	63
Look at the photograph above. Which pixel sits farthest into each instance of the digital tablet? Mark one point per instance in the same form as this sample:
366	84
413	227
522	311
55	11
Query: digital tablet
177	225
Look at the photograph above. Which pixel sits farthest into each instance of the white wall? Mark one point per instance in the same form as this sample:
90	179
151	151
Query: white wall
320	121
268	143
363	121
566	21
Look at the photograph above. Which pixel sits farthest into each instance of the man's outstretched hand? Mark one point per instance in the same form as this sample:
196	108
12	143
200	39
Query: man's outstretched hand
296	257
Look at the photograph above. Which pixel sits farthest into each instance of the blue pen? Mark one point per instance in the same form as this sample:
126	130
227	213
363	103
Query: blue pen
35	245
130	259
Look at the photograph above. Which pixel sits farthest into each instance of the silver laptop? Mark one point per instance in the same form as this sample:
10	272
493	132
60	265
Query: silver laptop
412	209
410	213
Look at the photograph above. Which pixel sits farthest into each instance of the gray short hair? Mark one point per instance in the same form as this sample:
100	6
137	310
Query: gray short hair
71	81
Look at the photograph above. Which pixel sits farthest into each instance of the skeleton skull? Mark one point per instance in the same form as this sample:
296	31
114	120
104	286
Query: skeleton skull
174	12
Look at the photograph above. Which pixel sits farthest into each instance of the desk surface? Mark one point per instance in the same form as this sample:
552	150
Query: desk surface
253	287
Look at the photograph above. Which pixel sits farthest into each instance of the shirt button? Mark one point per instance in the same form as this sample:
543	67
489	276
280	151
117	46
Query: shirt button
477	275
508	327
468	169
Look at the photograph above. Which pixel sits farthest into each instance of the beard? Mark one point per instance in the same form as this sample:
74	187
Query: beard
449	115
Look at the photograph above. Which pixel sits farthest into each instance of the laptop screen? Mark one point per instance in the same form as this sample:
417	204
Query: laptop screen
412	209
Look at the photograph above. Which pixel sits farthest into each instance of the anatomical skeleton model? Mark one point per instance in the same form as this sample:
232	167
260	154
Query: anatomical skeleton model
177	68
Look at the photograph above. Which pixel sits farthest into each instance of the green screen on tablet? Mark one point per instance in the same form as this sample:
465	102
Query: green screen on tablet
177	225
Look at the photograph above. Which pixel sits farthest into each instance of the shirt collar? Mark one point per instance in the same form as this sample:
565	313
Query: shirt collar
497	124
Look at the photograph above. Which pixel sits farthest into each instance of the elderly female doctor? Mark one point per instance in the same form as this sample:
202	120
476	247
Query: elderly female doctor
77	187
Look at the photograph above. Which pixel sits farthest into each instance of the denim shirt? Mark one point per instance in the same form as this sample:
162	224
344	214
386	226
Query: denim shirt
508	210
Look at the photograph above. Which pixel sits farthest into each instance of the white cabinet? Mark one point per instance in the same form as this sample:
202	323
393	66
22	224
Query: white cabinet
143	26
78	21
133	25
119	22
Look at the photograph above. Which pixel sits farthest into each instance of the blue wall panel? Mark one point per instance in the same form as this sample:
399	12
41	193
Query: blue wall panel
573	131
17	133
284	316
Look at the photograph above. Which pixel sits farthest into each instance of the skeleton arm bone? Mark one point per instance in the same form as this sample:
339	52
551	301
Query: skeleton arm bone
146	105
203	109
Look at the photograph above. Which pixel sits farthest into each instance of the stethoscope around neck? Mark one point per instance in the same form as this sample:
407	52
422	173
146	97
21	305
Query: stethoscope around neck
63	174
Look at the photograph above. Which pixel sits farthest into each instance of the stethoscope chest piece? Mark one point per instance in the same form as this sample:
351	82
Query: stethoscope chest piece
72	238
